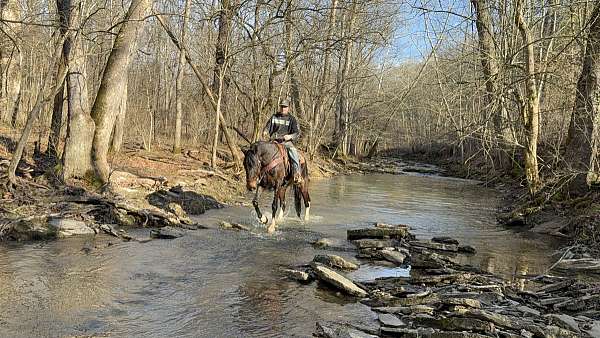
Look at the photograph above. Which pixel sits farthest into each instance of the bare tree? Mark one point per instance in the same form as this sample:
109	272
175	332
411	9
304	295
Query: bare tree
581	153
489	63
77	157
114	77
10	62
179	82
531	104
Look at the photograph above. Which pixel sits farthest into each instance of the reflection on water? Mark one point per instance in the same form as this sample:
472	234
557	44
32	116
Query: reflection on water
217	283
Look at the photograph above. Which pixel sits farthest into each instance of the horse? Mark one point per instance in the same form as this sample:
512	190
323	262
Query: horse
267	167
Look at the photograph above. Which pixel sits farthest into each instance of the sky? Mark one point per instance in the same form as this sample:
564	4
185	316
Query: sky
410	42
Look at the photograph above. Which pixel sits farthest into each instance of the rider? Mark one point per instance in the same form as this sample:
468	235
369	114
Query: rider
283	127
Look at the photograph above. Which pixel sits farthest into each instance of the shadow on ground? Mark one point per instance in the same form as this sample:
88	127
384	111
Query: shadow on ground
192	202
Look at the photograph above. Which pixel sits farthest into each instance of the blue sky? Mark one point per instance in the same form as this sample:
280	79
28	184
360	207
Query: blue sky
410	41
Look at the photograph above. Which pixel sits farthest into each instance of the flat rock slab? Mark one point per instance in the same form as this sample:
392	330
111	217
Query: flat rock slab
374	243
555	286
68	227
456	324
445	240
381	233
339	331
167	233
564	321
406	310
435	246
466	302
335	261
588	265
390	320
338	281
591	302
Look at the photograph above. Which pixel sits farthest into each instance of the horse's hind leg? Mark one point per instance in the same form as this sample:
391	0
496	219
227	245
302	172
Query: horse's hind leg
274	207
306	198
281	196
259	214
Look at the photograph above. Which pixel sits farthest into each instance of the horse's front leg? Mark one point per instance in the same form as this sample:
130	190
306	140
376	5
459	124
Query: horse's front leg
274	207
261	217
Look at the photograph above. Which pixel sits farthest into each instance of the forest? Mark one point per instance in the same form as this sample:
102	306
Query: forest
506	84
450	148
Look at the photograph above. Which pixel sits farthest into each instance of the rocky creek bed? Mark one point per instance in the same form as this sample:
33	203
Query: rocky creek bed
442	298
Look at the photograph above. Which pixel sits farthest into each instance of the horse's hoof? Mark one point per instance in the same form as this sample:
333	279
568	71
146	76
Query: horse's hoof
271	229
263	219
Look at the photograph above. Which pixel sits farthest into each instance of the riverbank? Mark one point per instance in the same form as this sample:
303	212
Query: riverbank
552	212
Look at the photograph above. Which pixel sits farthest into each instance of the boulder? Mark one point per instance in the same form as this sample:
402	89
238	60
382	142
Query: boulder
28	229
335	261
234	226
176	209
299	276
338	281
467	249
68	227
167	232
393	256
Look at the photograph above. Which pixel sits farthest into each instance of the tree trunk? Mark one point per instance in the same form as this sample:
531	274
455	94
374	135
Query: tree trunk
179	82
489	63
37	108
77	158
289	56
114	77
343	102
10	64
582	142
531	106
64	16
220	78
322	82
117	138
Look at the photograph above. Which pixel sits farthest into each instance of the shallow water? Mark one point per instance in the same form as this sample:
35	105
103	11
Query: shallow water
217	283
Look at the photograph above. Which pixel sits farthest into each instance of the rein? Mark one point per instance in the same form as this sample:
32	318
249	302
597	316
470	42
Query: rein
275	162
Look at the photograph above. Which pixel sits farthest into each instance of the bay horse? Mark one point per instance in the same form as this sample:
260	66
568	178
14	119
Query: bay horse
268	167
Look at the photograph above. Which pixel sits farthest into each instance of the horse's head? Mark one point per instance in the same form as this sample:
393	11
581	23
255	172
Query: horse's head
252	167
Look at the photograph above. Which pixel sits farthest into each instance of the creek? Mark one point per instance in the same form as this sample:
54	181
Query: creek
223	283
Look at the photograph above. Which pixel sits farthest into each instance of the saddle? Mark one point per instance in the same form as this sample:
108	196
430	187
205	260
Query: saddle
283	158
